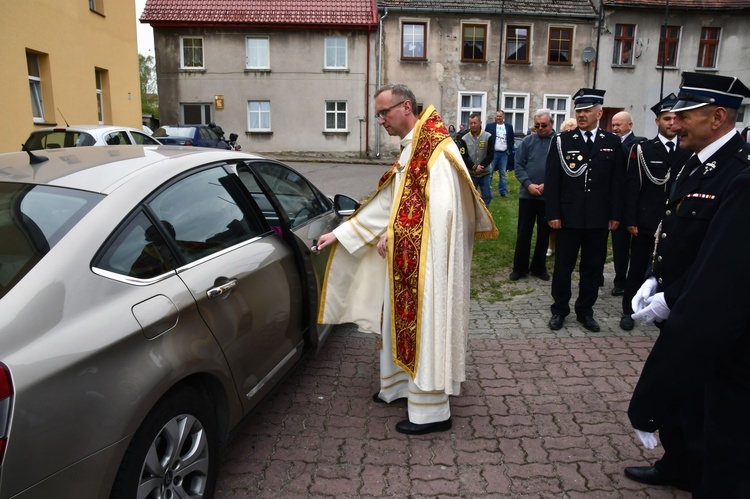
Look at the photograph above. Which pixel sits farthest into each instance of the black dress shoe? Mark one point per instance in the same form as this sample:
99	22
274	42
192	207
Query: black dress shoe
410	428
652	476
541	275
627	323
589	323
556	322
514	276
376	398
618	291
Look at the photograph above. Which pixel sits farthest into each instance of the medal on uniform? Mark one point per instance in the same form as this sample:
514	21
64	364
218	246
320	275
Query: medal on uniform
572	166
580	158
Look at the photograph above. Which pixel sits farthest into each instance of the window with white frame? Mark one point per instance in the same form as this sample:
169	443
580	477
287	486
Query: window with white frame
35	86
258	53
99	96
191	51
195	113
335	56
335	116
259	115
470	102
559	105
413	35
516	108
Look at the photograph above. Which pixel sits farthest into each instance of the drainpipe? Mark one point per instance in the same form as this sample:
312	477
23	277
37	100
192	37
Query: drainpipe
664	55
500	57
380	75
598	37
367	101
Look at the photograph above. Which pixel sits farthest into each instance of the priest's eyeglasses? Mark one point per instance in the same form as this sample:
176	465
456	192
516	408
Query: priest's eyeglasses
383	112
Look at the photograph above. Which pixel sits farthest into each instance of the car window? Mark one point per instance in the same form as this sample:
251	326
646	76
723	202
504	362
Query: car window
208	213
260	197
139	250
49	139
298	198
208	134
143	139
117	138
33	219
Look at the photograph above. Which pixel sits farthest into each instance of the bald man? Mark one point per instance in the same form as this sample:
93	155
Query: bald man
622	126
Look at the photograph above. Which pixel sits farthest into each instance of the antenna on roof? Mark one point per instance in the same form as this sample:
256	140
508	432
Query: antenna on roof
33	158
63	117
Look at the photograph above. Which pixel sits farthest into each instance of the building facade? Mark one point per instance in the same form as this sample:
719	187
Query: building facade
68	61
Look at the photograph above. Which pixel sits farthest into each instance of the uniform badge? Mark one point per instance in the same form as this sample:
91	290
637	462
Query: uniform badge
709	167
572	166
580	158
567	158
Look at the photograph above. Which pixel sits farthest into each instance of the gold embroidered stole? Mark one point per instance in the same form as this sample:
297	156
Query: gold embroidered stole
408	238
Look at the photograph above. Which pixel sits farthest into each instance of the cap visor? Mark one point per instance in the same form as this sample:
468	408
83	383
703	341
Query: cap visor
687	105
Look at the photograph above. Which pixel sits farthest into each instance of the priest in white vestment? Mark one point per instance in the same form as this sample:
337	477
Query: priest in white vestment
401	265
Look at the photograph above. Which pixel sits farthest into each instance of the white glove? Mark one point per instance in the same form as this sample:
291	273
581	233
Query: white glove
647	289
657	309
648	439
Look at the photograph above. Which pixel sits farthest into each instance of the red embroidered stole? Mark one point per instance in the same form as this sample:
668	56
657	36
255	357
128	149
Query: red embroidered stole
409	239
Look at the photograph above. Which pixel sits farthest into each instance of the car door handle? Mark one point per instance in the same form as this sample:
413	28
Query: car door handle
221	290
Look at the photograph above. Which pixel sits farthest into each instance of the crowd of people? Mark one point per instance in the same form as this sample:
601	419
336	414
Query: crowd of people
677	207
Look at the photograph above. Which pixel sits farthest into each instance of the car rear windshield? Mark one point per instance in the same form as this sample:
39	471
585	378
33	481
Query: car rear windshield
33	218
174	131
48	139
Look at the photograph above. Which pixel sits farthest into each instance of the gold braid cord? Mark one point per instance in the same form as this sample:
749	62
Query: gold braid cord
410	238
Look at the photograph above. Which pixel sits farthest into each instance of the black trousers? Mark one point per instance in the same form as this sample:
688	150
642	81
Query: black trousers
620	254
592	244
641	253
530	214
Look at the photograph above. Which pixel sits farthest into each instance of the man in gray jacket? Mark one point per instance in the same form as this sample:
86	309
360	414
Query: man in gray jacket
531	161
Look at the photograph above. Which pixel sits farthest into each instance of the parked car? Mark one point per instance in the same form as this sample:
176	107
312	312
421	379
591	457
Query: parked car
150	297
189	135
86	135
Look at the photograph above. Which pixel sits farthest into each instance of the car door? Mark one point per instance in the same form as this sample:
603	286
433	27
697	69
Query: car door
242	276
291	203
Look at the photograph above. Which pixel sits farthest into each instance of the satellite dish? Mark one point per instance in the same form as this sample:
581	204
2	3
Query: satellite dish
588	54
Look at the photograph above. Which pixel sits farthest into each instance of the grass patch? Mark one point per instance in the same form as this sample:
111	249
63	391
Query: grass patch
493	258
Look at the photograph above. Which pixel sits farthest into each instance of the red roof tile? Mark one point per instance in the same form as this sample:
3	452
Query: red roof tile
334	13
682	4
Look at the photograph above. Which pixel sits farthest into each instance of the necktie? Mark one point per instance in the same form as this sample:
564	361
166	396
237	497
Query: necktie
589	139
670	146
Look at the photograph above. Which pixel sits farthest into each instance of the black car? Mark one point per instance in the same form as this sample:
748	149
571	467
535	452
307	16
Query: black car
189	135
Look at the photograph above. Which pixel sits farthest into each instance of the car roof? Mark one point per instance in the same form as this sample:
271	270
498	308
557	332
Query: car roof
88	128
103	169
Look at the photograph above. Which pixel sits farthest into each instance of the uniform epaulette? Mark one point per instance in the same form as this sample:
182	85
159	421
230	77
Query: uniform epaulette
744	154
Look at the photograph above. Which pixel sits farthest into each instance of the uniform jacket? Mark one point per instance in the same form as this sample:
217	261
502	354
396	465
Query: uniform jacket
492	129
531	163
688	211
593	198
704	303
630	141
644	200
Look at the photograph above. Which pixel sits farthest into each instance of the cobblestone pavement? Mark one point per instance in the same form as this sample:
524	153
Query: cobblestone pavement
542	414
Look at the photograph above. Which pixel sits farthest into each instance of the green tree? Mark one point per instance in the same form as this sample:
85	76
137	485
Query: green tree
149	97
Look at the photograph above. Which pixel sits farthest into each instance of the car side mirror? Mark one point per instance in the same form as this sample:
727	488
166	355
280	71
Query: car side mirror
344	205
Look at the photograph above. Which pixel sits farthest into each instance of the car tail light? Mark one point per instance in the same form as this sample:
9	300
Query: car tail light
6	390
188	142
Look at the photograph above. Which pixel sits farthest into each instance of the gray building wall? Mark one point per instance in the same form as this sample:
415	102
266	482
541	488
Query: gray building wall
637	88
297	86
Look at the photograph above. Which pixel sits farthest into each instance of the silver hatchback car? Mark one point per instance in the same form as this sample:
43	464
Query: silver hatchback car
150	297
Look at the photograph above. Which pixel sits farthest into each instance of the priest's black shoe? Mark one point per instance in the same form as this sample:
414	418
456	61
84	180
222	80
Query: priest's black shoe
589	323
376	398
627	323
652	476
556	322
618	291
410	428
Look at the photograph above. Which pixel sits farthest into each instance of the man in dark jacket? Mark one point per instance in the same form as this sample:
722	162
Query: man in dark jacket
583	202
504	144
668	396
652	167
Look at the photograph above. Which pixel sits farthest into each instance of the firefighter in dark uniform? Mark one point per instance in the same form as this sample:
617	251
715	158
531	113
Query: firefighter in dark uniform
652	167
583	202
705	119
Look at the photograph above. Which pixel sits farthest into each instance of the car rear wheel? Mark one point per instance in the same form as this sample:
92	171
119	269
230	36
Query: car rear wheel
174	453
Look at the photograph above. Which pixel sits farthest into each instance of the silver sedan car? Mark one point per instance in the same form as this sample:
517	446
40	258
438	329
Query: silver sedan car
150	297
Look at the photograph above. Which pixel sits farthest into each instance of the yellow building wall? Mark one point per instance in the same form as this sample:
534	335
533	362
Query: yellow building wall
73	41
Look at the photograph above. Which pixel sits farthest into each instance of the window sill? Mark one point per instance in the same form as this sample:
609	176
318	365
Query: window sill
257	70
623	66
667	68
518	63
472	61
259	132
335	132
335	70
192	70
413	59
706	70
